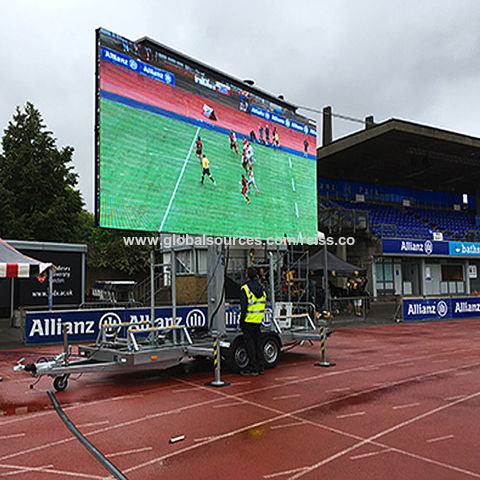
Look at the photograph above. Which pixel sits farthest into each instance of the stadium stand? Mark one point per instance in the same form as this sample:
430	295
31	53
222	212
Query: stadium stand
395	221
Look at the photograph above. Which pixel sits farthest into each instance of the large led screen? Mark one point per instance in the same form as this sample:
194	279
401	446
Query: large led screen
183	148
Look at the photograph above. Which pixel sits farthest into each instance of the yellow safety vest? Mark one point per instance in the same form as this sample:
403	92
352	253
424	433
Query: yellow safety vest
255	307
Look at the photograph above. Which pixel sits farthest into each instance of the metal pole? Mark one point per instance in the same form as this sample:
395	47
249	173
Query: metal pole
173	268
12	299
152	288
50	287
323	349
272	283
217	356
82	293
325	278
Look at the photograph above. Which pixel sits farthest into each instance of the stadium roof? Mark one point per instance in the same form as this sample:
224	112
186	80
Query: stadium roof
404	154
149	42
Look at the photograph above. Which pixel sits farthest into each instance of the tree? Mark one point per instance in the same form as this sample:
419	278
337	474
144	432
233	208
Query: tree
38	199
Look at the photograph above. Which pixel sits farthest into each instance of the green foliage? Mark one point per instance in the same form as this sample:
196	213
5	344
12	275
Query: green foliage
37	187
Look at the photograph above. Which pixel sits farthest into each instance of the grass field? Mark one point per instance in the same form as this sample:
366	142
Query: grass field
150	181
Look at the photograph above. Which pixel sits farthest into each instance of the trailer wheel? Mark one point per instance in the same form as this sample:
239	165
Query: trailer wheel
271	352
60	383
236	357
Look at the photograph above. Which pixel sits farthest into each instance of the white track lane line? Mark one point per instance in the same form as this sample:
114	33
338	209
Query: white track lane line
285	397
371	454
129	452
178	181
275	475
348	415
287	425
65	473
17	472
93	424
439	439
15	435
406	405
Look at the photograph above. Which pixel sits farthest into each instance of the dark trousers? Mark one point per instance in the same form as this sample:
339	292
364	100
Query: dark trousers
253	344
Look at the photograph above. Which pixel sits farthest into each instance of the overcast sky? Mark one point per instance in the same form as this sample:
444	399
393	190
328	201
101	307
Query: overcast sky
415	60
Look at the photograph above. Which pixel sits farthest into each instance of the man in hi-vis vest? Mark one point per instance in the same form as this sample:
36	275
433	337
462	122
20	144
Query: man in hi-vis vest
252	310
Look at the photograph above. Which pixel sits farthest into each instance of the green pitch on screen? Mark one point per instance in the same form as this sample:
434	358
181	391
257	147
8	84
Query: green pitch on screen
150	181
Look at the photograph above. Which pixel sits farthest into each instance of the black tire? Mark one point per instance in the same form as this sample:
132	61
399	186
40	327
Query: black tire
60	383
236	357
271	351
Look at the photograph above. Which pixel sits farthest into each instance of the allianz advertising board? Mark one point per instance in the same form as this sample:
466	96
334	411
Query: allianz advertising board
440	308
84	325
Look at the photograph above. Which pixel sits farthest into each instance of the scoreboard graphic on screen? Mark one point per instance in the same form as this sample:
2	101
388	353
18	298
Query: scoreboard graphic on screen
185	148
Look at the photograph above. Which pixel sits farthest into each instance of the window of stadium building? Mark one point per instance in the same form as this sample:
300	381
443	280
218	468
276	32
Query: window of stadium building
384	277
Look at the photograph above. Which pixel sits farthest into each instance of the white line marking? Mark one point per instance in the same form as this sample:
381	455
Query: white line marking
344	389
290	162
182	390
371	454
286	472
291	377
293	184
23	468
407	405
203	439
438	439
128	452
179	180
286	425
93	424
455	397
348	415
226	405
296	209
128	397
284	397
15	435
43	467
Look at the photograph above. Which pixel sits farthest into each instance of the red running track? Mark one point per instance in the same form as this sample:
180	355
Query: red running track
147	90
402	402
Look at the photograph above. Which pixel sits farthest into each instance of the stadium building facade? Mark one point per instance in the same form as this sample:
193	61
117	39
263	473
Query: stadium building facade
410	195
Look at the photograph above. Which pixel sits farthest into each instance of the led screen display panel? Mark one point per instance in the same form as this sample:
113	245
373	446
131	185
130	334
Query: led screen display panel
184	148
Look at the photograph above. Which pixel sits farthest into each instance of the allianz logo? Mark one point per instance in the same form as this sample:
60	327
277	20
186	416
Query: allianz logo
47	327
439	309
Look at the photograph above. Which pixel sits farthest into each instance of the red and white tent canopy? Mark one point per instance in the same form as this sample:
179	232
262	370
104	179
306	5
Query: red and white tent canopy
14	264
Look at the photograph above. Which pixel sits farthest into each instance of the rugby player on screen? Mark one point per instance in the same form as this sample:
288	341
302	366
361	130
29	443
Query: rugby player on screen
251	181
245	163
206	170
199	148
244	184
233	142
